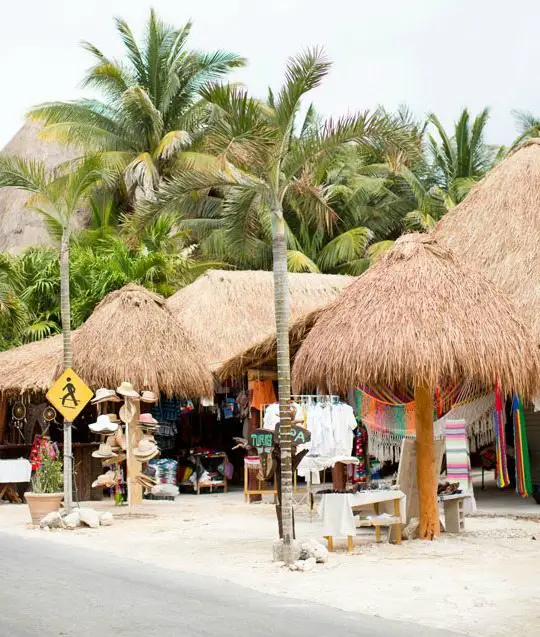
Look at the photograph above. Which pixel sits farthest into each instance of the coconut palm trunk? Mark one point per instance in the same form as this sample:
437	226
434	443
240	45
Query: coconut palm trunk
281	302
65	308
426	472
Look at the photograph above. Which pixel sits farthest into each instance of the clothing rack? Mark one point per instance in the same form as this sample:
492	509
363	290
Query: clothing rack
304	399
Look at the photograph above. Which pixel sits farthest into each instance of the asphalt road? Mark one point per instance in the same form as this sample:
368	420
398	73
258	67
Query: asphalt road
48	590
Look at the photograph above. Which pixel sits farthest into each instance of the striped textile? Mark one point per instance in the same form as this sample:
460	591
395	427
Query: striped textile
458	461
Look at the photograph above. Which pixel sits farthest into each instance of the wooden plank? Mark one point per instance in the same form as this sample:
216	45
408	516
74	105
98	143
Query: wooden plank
406	477
133	466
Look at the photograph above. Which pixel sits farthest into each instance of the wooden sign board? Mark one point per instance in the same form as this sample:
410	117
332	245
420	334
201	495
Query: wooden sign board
262	440
69	395
406	477
299	435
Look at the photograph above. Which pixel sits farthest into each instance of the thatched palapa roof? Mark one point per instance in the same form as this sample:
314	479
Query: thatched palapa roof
226	312
20	227
264	353
497	227
422	316
131	335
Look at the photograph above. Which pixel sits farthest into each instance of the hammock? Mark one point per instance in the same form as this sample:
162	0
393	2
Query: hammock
390	417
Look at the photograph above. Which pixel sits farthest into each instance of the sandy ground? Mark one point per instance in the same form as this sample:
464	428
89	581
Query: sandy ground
483	582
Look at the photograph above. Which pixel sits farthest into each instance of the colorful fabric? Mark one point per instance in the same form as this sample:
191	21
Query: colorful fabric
389	421
261	393
523	467
500	440
458	460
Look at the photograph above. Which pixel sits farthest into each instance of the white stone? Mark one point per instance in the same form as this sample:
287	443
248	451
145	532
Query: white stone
312	548
72	520
106	519
52	520
410	532
307	565
89	517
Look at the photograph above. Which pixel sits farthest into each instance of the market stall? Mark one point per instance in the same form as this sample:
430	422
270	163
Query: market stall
414	318
130	335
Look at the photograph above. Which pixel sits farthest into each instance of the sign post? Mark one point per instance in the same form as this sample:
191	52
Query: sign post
69	395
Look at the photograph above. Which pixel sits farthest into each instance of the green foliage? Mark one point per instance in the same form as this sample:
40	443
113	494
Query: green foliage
48	477
459	161
150	109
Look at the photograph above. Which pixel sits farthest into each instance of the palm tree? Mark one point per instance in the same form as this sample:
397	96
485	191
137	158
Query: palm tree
263	167
528	126
151	109
13	312
460	160
57	196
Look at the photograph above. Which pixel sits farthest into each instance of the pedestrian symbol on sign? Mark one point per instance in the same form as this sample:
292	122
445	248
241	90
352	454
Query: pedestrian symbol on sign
69	395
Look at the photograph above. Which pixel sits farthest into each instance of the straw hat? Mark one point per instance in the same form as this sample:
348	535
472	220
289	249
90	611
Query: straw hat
107	479
145	451
104	451
147	419
127	412
103	395
126	389
121	439
103	425
148	397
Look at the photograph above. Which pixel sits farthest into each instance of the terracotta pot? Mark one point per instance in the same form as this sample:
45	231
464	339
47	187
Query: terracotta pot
42	503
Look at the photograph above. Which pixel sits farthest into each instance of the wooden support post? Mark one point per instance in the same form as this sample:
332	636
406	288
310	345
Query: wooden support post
425	464
133	465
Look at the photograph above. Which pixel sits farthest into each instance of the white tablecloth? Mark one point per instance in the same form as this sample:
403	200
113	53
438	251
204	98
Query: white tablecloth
15	471
336	509
315	464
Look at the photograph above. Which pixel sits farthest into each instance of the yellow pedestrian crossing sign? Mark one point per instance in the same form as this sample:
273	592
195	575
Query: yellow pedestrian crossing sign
69	395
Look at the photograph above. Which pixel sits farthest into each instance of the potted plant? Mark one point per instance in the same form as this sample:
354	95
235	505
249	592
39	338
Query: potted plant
47	482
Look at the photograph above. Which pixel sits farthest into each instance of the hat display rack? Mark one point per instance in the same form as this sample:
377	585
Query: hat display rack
129	439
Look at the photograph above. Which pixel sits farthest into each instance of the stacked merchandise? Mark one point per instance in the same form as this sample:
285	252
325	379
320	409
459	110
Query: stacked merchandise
165	476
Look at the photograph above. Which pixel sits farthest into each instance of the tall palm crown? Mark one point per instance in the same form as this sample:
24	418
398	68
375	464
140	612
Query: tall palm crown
258	156
151	107
463	158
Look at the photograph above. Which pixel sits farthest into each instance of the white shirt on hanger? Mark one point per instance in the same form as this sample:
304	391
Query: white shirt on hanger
344	423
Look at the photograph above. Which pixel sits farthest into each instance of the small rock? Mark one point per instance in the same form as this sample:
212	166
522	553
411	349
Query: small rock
312	548
306	565
89	517
52	520
106	519
72	520
410	532
294	566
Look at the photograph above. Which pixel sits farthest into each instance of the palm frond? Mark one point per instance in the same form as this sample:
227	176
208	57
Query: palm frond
19	172
133	52
304	73
172	143
299	262
348	246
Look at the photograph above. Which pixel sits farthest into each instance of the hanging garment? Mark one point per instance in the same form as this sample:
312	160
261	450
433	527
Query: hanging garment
271	415
344	424
458	460
314	426
323	414
261	393
360	473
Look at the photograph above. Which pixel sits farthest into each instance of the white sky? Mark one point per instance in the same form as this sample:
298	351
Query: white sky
435	55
